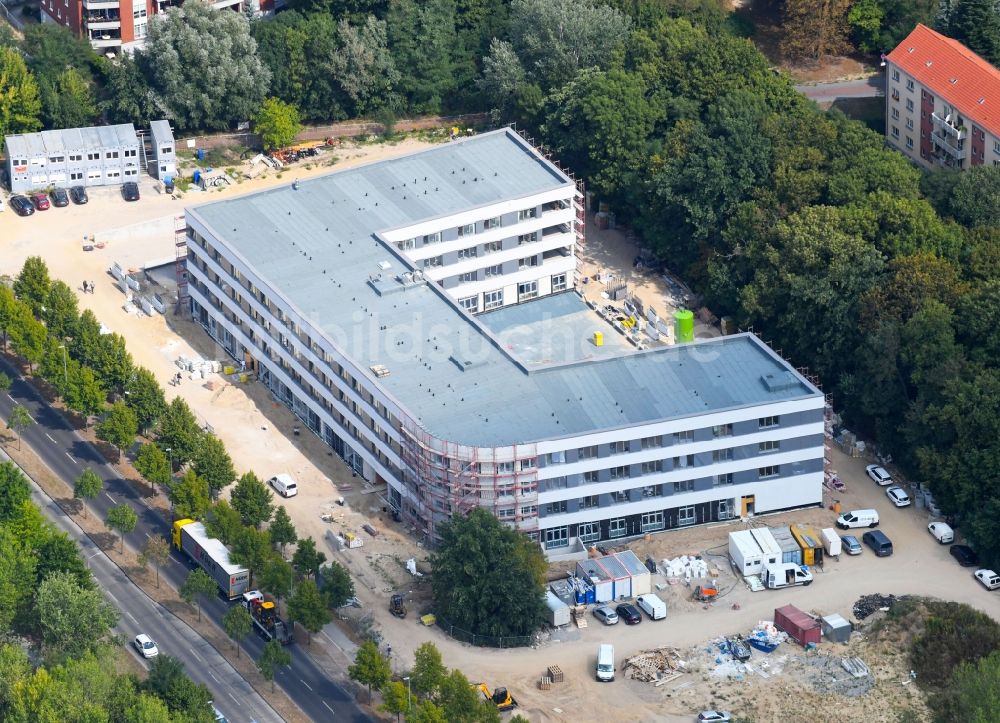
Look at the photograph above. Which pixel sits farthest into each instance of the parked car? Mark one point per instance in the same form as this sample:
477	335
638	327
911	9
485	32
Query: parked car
606	614
942	532
79	195
851	544
898	496
858	518
990	580
130	191
21	205
629	614
965	555
879	474
145	645
60	198
40	201
879	542
715	716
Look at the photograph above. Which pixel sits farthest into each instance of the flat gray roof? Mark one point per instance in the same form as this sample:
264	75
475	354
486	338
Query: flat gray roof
318	245
70	139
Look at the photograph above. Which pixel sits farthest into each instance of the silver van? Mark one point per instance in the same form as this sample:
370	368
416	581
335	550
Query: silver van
284	485
606	663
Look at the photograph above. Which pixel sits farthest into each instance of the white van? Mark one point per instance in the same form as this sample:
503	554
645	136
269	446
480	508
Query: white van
650	604
858	518
284	485
606	663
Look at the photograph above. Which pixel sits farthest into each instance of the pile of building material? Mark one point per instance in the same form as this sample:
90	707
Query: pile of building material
856	667
658	665
580	616
688	567
199	368
868	605
766	636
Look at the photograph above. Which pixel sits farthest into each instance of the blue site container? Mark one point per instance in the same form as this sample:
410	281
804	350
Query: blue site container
201	154
196	177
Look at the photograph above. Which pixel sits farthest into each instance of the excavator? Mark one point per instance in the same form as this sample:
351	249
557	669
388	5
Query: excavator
397	607
705	594
503	700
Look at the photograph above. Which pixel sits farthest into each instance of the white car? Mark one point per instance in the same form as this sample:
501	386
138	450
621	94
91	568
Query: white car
879	474
942	532
898	496
990	580
145	645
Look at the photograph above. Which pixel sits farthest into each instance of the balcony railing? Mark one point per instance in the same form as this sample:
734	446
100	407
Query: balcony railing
945	127
955	150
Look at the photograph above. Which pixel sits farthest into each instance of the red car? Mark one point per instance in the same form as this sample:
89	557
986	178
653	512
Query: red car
41	201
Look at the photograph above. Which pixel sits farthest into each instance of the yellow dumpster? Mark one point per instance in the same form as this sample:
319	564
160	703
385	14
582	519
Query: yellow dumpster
598	338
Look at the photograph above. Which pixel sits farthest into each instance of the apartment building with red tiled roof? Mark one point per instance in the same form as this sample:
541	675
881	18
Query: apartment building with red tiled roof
942	102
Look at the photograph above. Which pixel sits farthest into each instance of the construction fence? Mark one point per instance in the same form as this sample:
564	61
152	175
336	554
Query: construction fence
484	641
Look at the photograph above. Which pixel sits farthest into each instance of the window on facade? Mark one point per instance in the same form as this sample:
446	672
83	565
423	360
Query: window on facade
56	159
506	490
93	156
722	430
559	282
76	176
996	146
432	238
111	154
909	84
75	157
652	467
652	442
652	521
493	299
555	458
684	486
505	513
682	437
527	238
529	510
616	527
496	270
589	532
722	479
909	142
527	290
722	455
768	422
771	471
619	496
433	261
895	113
895	132
685	515
527	262
555	508
467	277
652	491
909	123
684	461
492	247
587	452
895	75
622	472
406	244
491	223
469	303
771	445
556	483
909	104
469	253
467	230
557	537
591	476
505	467
526	214
527	464
620	447
589	502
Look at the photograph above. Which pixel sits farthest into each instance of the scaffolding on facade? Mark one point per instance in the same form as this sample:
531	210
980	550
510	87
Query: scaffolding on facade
180	263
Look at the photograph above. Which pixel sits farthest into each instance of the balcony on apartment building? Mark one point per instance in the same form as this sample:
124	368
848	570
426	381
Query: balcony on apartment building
950	126
92	5
949	145
223	4
102	20
105	37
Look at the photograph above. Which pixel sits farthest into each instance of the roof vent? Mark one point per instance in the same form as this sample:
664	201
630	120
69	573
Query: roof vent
909	49
379	370
384	265
981	101
780	382
953	80
929	63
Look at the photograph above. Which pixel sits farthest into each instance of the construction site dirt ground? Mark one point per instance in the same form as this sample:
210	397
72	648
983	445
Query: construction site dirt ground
258	431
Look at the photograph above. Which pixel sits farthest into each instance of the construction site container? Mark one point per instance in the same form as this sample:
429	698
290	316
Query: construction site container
642	580
810	542
790	550
768	545
597	576
831	541
745	553
558	610
835	628
620	578
801	627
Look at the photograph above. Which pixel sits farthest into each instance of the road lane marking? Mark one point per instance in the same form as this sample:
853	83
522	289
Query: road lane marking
143	501
196	655
305	684
70	458
50	438
234	698
328	707
214	678
11	398
148	535
108	495
132	617
108	593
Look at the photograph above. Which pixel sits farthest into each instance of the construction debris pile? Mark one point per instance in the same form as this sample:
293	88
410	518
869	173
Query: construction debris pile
686	566
654	666
868	605
766	637
199	368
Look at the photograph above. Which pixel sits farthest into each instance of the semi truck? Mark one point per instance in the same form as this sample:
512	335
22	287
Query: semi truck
212	556
265	618
785	574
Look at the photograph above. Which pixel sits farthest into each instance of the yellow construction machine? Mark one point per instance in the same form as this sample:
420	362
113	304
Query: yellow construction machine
500	697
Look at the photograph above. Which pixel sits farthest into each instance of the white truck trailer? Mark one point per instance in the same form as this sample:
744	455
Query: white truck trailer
212	556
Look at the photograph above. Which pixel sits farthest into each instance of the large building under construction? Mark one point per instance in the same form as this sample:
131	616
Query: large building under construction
420	316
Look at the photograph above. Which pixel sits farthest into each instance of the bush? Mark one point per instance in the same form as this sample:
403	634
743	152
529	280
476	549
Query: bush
954	634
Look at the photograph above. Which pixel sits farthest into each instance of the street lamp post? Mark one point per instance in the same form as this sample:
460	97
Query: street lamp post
407	679
65	366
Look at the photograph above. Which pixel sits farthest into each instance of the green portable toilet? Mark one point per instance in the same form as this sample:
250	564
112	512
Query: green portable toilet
684	325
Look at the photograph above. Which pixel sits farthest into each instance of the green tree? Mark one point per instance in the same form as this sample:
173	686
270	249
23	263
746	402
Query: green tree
118	427
179	431
307	606
85	345
865	19
123	519
56	552
973	693
223	522
61	313
168	682
8	309
426	711
213	464
976	195
461	701
155	551
337	584
811	29
252	549
370	667
272	657
422	40
18	582
282	530
20	105
129	99
18	421
307	560
276	577
87	486
197	583
71	619
32	285
237	624
113	364
84	393
153	464
975	24
203	67
28	335
428	671
189	496
395	698
277	123
5	382
144	395
252	499
482	604
68	100
14	491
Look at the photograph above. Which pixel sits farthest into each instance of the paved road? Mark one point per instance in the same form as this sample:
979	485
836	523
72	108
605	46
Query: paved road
67	455
828	92
232	694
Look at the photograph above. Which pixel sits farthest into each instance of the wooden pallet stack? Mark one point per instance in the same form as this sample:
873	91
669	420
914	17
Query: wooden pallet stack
580	616
652	665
